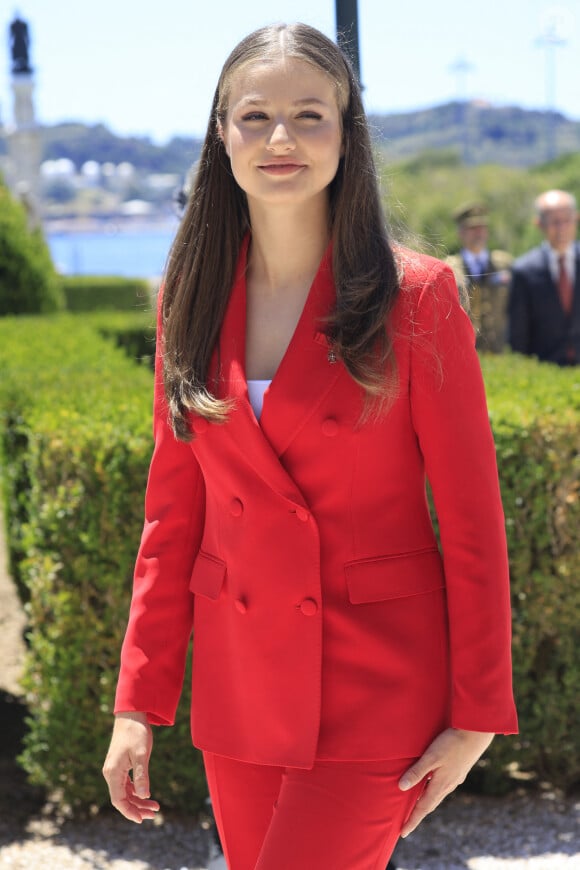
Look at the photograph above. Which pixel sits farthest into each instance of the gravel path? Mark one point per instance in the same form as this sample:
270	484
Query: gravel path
535	832
12	622
530	829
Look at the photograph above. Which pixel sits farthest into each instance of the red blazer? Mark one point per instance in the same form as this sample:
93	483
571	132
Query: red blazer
326	624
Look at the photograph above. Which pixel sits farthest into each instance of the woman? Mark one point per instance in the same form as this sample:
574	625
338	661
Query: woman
346	675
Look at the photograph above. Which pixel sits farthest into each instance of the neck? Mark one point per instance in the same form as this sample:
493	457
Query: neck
561	249
476	252
287	246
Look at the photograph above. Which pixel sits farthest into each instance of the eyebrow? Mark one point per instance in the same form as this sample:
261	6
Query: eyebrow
256	101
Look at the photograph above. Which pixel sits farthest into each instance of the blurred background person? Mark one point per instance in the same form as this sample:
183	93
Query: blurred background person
483	276
544	305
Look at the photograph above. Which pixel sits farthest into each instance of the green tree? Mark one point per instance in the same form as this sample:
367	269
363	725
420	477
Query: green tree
28	281
422	192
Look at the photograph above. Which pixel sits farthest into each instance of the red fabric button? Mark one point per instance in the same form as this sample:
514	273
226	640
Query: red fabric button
309	607
240	605
236	507
200	425
330	427
302	514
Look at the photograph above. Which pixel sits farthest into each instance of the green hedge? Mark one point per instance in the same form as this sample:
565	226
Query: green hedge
76	441
106	293
535	415
134	333
28	281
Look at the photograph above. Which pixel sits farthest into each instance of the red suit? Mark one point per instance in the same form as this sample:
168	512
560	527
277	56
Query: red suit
300	549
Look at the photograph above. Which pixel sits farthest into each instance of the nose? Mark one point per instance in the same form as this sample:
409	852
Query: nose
281	138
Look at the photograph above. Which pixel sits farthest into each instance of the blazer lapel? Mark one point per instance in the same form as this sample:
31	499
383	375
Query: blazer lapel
308	369
307	372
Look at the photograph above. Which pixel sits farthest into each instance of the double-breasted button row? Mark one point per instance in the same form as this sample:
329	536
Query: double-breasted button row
308	606
236	507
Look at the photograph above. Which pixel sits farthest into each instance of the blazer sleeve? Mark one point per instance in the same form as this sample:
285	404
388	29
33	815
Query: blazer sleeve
161	614
451	421
519	327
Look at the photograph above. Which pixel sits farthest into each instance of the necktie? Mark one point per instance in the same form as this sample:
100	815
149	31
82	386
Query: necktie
479	267
565	289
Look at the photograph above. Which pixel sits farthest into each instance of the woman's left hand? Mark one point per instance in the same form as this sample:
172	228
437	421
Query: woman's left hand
445	764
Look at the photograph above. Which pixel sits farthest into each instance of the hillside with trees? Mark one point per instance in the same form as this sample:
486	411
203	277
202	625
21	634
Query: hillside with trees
478	132
81	143
431	161
481	133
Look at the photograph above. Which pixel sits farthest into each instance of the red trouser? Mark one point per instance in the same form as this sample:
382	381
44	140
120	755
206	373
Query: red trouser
340	815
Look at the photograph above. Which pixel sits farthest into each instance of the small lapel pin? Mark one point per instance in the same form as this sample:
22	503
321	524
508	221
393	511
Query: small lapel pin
331	356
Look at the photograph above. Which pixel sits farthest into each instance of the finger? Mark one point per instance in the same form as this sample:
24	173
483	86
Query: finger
413	821
141	803
134	813
117	777
141	776
122	791
123	801
418	771
430	798
139	812
134	808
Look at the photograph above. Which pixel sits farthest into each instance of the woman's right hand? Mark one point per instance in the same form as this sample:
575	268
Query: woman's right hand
130	750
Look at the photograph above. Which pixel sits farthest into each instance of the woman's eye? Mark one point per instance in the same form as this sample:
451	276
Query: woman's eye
310	116
254	116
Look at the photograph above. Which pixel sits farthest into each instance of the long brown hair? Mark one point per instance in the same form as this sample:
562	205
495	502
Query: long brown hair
203	257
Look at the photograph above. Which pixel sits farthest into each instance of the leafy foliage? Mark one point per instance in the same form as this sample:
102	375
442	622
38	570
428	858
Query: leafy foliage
28	282
535	416
422	193
76	445
105	292
75	438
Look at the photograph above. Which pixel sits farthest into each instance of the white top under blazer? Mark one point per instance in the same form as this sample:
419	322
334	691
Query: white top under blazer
256	390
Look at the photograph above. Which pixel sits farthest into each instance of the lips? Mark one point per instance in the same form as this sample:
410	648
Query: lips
286	168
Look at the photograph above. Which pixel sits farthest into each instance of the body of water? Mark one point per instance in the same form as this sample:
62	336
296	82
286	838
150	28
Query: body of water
134	253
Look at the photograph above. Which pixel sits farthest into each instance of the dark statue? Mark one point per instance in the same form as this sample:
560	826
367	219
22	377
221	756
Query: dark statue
19	44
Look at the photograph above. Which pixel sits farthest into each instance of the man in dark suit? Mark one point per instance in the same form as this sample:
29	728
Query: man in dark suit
544	305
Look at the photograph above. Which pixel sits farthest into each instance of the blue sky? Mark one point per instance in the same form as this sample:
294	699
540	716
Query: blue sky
151	68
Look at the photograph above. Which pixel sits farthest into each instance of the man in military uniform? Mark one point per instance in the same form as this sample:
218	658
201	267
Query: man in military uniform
483	276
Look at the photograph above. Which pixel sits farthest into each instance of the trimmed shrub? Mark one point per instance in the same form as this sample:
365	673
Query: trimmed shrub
535	415
76	447
134	333
76	442
28	281
106	293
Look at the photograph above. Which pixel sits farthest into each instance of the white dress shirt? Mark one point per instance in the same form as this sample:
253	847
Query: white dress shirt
569	262
477	264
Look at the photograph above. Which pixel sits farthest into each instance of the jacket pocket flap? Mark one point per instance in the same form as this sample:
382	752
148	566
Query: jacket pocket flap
386	577
207	576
